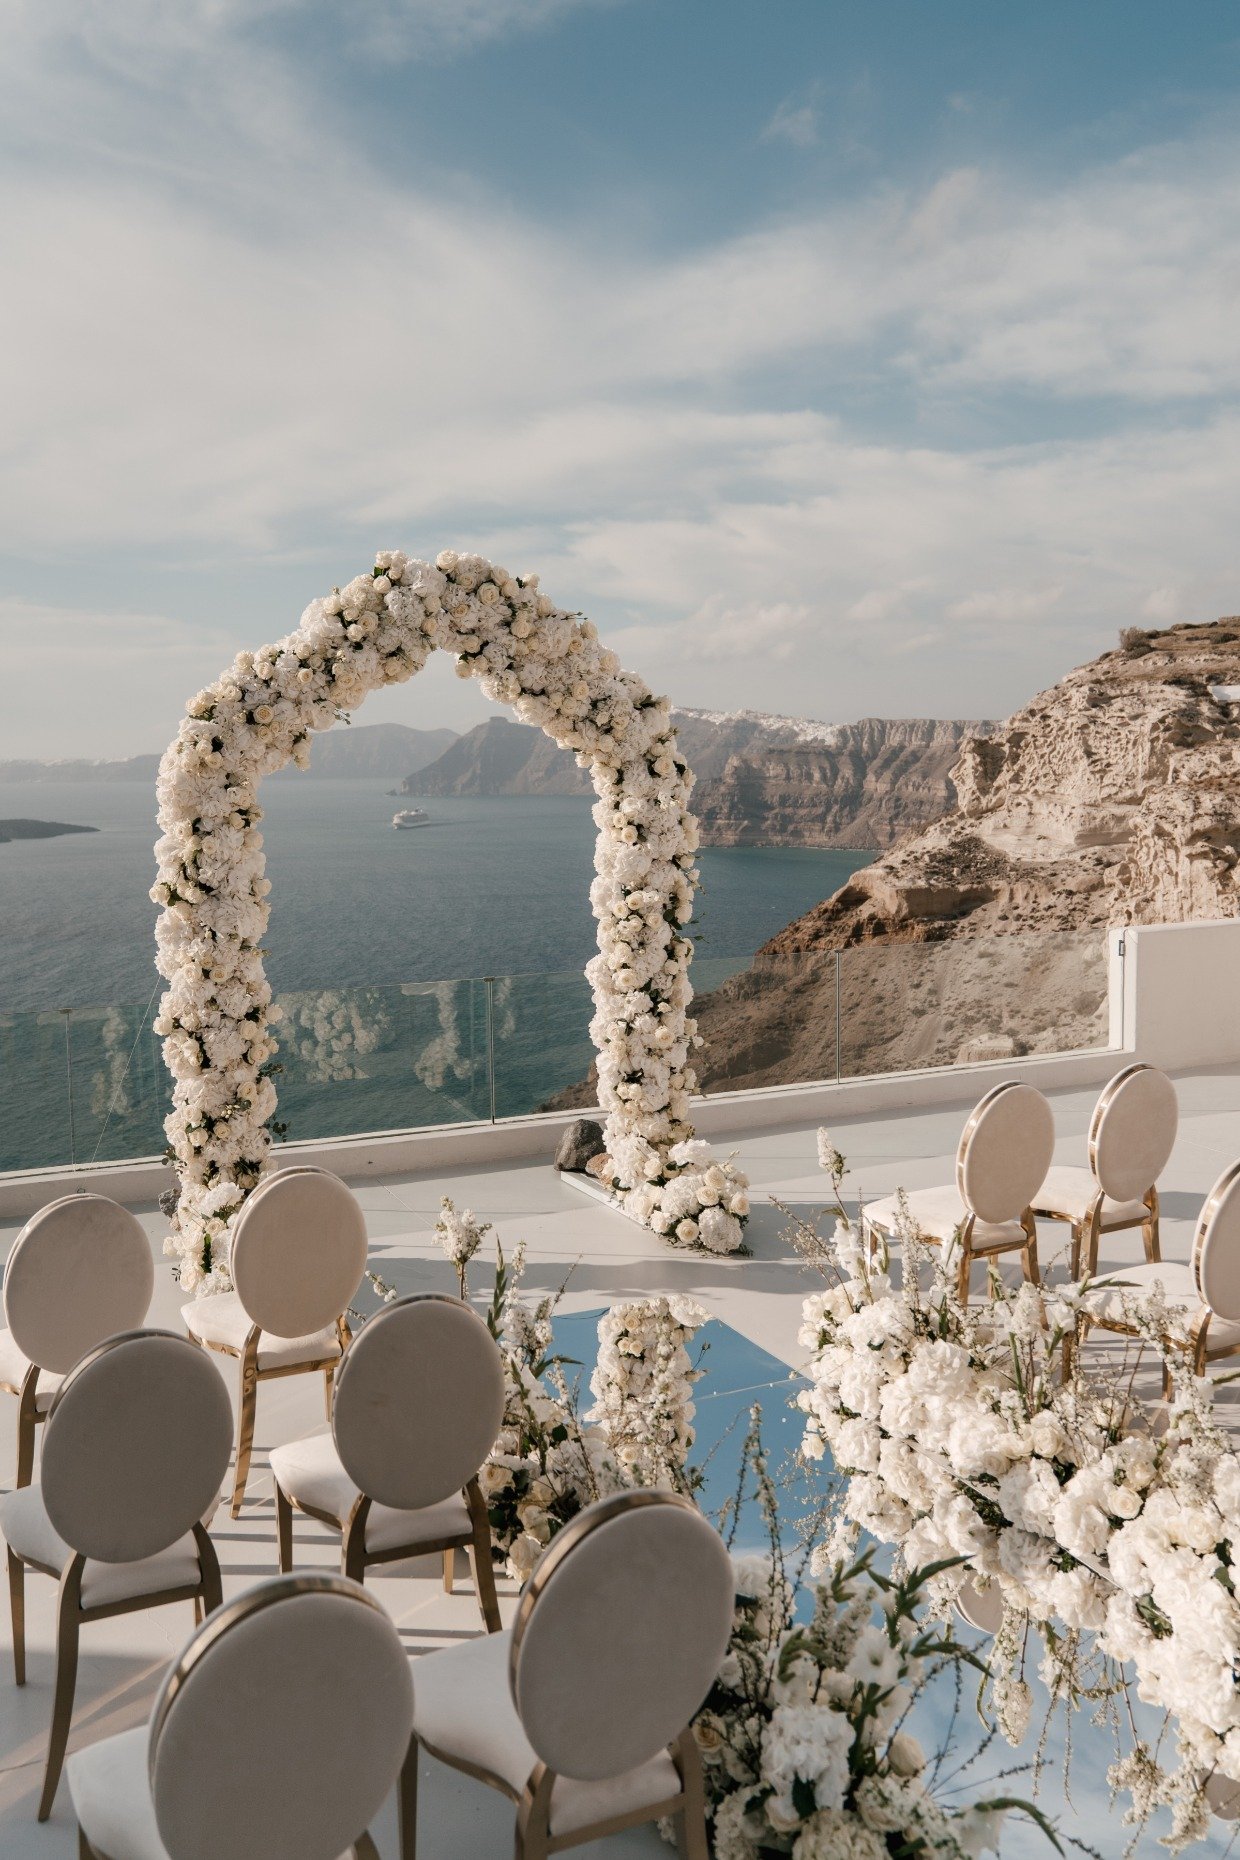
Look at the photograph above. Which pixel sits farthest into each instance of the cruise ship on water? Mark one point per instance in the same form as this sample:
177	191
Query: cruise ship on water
410	817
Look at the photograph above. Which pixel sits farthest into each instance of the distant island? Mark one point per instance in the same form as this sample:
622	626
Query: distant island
38	829
361	752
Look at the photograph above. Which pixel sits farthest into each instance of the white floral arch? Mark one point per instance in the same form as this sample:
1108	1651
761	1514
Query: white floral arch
551	668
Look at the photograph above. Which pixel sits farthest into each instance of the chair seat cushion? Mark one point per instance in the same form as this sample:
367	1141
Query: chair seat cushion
1106	1296
112	1797
13	1367
937	1213
1069	1193
29	1532
462	1707
309	1472
222	1320
110	1786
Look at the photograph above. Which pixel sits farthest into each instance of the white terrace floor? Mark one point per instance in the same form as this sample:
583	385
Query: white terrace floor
122	1659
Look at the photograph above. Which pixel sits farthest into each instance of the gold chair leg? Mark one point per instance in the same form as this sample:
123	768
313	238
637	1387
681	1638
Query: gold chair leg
17	1609
198	1614
1150	1230
68	1615
27	1422
481	1560
962	1276
407	1802
85	1850
245	1426
209	1570
691	1841
329	1377
1029	1252
284	1529
449	1570
353	1541
1074	1258
534	1816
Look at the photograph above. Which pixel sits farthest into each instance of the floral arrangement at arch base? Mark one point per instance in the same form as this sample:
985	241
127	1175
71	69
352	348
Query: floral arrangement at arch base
217	1017
803	1738
1108	1530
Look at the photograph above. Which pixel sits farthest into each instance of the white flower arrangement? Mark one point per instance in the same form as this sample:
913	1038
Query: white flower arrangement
643	1387
802	1737
460	1233
546	1465
1105	1526
217	1015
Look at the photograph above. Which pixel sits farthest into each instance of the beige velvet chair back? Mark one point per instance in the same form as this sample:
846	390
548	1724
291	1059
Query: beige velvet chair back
298	1698
298	1252
1216	1247
136	1446
1005	1152
419	1401
620	1633
1132	1132
80	1270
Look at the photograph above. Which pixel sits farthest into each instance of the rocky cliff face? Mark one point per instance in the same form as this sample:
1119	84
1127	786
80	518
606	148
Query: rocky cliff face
1112	798
874	781
761	779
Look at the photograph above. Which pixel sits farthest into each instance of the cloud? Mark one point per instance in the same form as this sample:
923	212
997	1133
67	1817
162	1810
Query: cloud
237	341
120	679
796	123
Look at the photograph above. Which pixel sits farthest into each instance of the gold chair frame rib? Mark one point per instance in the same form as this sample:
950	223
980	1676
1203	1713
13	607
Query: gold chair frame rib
963	1235
355	1559
222	1619
28	1419
71	1617
534	1840
1197	1345
1088	1229
251	1376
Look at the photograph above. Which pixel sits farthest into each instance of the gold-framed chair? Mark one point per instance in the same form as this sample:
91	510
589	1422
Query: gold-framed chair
300	1691
80	1270
581	1714
1207	1286
298	1254
1131	1136
419	1404
1004	1153
135	1450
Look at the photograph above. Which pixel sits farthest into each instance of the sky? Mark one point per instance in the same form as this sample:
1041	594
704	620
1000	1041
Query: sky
836	360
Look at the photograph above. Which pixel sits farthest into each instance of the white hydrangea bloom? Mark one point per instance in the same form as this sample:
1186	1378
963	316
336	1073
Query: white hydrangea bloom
217	1014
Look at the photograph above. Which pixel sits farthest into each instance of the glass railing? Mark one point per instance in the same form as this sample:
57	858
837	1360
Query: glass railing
87	1084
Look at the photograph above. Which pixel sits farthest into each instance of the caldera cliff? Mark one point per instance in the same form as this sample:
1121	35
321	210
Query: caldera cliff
1112	798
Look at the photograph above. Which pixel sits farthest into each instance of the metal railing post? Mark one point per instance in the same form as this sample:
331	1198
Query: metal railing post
68	1014
837	1016
490	988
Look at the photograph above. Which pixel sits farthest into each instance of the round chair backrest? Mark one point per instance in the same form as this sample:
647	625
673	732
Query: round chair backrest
1005	1152
80	1270
419	1401
620	1633
136	1446
298	1252
301	1691
1216	1247
1132	1132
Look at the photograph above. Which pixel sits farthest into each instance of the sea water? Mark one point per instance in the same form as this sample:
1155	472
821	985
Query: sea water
379	944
